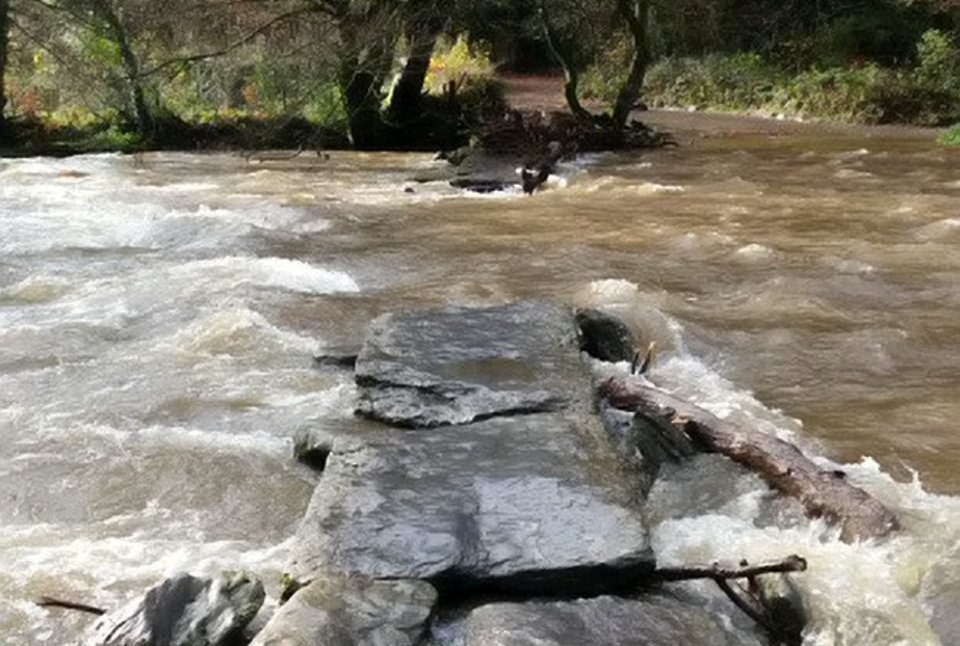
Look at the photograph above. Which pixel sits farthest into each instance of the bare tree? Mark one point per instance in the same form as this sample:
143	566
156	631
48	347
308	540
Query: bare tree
4	42
423	22
107	13
635	14
575	30
367	34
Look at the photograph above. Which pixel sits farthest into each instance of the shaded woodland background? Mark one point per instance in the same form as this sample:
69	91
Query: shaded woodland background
417	74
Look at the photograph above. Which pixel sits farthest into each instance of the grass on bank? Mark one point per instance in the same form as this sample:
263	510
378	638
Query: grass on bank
926	93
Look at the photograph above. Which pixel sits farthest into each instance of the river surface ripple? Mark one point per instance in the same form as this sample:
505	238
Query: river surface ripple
158	316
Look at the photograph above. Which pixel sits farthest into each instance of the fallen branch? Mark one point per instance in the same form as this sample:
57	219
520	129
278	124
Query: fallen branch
782	617
822	493
263	156
792	563
50	602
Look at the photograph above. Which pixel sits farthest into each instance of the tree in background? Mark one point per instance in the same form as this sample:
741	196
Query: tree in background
423	22
107	19
577	29
4	43
635	14
367	32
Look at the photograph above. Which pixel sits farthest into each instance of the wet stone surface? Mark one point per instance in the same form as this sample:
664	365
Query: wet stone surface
509	504
457	365
336	610
183	611
612	621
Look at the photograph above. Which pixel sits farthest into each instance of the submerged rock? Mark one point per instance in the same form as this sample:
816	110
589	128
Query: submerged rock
480	184
528	504
605	337
312	444
184	611
337	610
456	365
652	621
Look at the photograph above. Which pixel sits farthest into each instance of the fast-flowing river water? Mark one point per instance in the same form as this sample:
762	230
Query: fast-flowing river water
159	314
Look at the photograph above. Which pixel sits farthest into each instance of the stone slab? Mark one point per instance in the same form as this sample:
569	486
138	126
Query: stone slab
603	621
456	365
510	503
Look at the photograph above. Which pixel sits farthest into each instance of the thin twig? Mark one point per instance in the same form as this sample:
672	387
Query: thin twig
50	602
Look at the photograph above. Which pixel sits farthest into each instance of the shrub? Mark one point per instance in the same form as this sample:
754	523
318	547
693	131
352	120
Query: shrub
460	62
952	136
927	94
938	65
737	82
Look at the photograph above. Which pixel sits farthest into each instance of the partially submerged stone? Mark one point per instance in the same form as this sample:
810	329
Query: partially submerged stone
339	610
605	337
184	611
457	365
524	504
312	444
611	621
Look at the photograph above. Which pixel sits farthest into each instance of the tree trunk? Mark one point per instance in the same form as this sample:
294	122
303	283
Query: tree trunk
636	15
361	94
4	40
566	59
367	39
406	103
131	67
823	493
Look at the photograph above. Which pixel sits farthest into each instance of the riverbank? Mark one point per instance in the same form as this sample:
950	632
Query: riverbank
528	95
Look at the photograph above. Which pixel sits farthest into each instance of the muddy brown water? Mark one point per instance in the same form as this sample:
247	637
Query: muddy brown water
157	319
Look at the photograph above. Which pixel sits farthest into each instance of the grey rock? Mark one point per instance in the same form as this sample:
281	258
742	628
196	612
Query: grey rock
312	444
605	337
336	360
456	365
472	169
603	621
183	611
520	504
338	610
480	184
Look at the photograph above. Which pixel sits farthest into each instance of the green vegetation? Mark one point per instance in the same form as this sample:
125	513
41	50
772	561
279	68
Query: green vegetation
128	74
951	137
925	91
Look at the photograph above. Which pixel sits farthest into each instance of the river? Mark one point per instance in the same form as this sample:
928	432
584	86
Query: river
158	315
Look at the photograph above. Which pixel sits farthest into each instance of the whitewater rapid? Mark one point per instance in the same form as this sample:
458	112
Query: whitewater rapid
159	315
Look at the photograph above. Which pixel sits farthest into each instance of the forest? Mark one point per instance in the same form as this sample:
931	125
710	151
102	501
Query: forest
425	74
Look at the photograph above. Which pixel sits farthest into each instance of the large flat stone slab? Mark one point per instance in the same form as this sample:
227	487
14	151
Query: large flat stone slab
603	621
336	610
457	365
510	503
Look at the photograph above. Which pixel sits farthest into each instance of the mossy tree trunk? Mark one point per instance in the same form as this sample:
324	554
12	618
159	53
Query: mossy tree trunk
367	39
406	103
4	41
424	22
133	78
565	53
636	16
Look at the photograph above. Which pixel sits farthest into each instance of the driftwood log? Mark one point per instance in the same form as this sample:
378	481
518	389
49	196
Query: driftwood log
823	493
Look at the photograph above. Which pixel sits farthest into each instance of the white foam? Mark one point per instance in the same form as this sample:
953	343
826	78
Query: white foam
944	229
755	252
37	289
294	275
235	331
